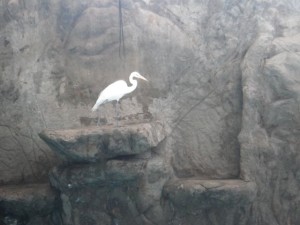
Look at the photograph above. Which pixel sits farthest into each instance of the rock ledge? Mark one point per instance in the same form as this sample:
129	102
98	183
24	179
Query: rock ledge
27	200
93	144
201	194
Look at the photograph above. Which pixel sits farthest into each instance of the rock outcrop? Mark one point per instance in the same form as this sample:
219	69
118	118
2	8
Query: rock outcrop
130	185
114	176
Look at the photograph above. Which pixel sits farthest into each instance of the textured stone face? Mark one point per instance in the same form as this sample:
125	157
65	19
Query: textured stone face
270	134
224	80
116	191
58	58
112	176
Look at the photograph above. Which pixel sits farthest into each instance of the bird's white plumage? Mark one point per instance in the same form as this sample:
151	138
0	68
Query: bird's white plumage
117	90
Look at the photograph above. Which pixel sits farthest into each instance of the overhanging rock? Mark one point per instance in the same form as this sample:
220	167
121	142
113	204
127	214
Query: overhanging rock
93	144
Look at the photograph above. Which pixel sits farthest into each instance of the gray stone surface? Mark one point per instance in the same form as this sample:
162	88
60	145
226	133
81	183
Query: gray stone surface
224	80
120	187
58	55
270	134
134	189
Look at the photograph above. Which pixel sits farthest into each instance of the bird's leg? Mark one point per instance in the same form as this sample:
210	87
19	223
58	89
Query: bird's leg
98	117
116	111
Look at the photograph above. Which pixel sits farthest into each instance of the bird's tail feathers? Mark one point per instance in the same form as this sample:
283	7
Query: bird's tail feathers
95	107
98	103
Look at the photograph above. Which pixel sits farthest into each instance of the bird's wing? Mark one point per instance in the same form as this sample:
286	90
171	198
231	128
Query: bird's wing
114	91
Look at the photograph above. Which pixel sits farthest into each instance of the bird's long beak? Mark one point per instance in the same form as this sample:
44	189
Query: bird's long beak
143	77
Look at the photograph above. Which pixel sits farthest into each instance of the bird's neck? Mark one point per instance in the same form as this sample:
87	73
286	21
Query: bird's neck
133	86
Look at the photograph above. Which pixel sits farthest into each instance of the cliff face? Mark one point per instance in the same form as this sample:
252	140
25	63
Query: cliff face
270	128
56	57
224	81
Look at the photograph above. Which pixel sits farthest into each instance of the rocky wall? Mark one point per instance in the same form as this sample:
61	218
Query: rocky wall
58	55
224	81
270	129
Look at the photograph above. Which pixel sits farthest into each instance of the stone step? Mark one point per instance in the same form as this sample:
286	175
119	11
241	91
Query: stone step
204	194
27	200
92	144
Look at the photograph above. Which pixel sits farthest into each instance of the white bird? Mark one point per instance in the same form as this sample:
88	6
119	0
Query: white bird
117	90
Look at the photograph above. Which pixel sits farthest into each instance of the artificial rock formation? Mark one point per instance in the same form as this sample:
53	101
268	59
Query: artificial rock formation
116	175
223	82
113	175
270	134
